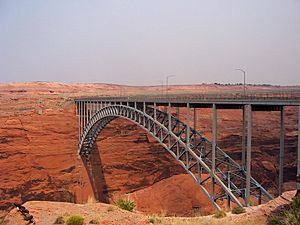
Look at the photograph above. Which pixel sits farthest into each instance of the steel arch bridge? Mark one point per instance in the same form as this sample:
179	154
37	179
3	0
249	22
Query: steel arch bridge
208	165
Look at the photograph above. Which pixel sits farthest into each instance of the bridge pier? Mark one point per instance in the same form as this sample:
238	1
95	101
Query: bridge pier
214	144
248	161
169	123
195	124
187	134
244	138
281	153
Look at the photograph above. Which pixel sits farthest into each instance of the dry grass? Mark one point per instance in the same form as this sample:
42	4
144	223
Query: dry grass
210	221
91	199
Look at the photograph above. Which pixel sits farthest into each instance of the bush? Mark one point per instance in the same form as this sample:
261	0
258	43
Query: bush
91	199
220	214
75	220
110	209
153	219
238	210
59	220
289	216
94	222
126	204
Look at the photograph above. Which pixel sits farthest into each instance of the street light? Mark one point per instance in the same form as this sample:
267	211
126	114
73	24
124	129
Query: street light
167	83
244	80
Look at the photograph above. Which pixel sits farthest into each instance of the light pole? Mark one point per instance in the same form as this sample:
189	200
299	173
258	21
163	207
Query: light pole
244	72
167	83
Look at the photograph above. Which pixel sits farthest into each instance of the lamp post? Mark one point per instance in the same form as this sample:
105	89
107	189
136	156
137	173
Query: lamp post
167	83
244	72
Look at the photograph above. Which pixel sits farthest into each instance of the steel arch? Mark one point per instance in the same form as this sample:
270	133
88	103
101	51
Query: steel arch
194	157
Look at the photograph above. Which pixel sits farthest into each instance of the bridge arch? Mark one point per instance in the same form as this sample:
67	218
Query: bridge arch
186	145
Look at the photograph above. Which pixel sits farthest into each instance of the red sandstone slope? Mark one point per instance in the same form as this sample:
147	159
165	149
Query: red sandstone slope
38	150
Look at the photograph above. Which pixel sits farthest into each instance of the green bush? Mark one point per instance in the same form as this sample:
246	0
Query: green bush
220	214
289	216
238	210
153	219
126	204
59	220
75	220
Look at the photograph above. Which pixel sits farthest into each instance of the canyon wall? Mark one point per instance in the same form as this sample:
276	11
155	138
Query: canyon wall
38	156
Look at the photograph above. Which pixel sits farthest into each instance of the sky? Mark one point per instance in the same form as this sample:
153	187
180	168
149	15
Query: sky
141	42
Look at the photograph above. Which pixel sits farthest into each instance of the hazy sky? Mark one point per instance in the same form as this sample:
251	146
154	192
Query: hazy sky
140	42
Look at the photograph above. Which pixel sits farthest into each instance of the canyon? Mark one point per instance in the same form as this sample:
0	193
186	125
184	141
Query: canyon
39	156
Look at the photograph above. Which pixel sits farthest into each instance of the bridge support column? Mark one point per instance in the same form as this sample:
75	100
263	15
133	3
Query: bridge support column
79	117
169	124
195	125
187	132
155	119
214	143
298	166
135	113
244	138
144	111
178	116
281	153
248	161
84	114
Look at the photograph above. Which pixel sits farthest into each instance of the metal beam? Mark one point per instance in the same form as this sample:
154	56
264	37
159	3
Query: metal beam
195	125
169	124
248	161
281	153
214	137
79	117
244	138
213	152
178	116
187	134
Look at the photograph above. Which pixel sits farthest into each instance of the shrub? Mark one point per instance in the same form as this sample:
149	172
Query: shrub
289	216
110	209
238	210
93	221
220	214
153	219
126	204
59	220
91	199
75	220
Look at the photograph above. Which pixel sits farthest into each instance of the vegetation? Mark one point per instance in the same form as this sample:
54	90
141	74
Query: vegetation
238	210
93	221
75	220
110	209
288	216
220	214
59	220
154	219
91	199
126	204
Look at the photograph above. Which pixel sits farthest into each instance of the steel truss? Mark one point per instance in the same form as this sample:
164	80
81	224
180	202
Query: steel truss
221	178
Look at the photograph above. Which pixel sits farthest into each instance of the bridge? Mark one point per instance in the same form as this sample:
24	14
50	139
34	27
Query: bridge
208	165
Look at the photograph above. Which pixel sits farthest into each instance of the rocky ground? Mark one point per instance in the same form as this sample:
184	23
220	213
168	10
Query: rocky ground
38	151
45	213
